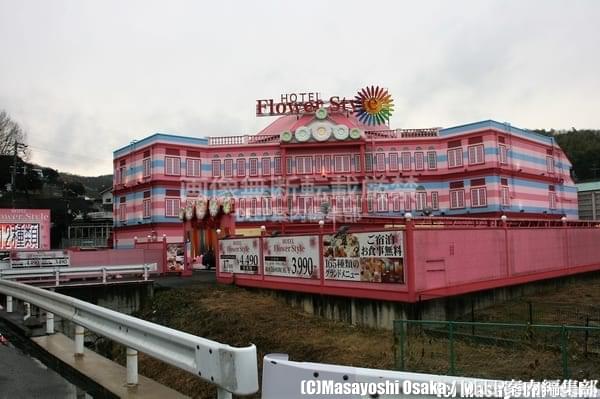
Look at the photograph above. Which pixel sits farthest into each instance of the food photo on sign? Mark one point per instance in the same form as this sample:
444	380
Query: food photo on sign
175	257
375	257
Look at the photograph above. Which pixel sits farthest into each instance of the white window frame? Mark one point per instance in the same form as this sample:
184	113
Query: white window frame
172	206
240	167
420	200
265	166
478	197
147	208
405	160
380	161
504	196
550	167
419	160
267	206
476	154
552	200
397	202
216	167
241	208
503	154
193	167
228	167
368	162
277	165
435	200
123	211
147	167
393	161
253	167
455	157
457	198
431	160
172	166
356	163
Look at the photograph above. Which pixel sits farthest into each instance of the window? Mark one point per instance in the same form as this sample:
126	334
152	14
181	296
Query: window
216	168
327	163
309	205
476	154
405	157
368	162
147	204
550	164
369	203
301	204
172	166
478	197
122	209
192	167
266	166
407	202
457	199
253	166
435	200
241	209
380	162
147	167
503	154
393	157
397	200
172	207
267	206
318	164
303	165
240	167
382	202
552	197
504	196
277	165
120	175
252	210
289	167
420	200
279	206
455	157
342	163
347	204
228	167
431	160
419	161
356	163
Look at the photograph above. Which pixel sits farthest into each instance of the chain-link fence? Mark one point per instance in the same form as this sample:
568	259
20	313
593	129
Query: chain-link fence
497	350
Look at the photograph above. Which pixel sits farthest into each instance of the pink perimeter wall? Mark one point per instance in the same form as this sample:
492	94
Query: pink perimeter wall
445	257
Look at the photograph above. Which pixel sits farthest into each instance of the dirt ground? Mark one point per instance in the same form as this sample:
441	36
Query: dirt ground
238	316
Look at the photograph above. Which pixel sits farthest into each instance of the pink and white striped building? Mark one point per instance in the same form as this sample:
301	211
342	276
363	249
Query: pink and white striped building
301	169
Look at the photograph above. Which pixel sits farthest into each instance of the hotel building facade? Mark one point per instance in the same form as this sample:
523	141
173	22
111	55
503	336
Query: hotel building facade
329	166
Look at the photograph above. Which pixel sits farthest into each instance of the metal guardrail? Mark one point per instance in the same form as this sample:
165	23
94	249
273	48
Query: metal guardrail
59	274
232	370
283	378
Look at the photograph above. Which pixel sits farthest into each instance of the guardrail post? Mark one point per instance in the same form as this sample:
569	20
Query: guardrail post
223	394
451	348
49	323
104	275
563	352
57	277
132	367
9	304
79	335
27	311
146	272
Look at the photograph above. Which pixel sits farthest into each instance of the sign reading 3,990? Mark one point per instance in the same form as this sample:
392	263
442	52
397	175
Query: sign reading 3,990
239	255
291	256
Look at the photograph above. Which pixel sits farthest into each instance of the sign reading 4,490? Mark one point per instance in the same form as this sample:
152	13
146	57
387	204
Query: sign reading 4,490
239	255
291	256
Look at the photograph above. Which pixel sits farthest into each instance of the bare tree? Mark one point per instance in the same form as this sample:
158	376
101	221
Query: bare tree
10	131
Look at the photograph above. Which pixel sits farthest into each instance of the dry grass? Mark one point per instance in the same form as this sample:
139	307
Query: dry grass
239	317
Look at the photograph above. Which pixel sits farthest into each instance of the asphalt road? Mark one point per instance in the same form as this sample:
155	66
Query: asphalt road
24	377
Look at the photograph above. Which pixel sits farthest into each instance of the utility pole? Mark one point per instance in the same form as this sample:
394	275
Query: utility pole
13	178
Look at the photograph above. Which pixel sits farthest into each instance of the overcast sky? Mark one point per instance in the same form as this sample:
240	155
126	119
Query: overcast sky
86	77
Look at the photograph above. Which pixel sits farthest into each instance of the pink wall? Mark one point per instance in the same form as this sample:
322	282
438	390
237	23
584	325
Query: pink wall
118	257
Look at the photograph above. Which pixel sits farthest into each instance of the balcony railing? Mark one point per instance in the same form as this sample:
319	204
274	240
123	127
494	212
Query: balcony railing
243	140
402	133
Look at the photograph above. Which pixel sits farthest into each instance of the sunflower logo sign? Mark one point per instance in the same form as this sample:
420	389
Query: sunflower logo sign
373	105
